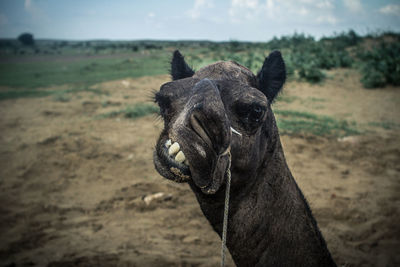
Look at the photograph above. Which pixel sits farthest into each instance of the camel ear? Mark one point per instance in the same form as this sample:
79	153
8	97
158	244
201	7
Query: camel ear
272	75
179	68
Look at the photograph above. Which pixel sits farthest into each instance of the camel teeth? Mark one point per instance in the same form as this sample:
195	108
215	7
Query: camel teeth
168	143
186	162
173	149
180	157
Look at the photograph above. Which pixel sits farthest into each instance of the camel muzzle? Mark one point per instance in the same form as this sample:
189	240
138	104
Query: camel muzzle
209	121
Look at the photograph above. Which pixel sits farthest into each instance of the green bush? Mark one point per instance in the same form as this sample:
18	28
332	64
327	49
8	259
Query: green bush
371	78
26	39
381	65
344	59
309	57
310	73
343	40
290	41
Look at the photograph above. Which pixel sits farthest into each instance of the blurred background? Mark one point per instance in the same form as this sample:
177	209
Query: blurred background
78	124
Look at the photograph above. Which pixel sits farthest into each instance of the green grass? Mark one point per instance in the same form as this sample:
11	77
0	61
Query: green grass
316	99
4	95
387	125
293	122
286	99
82	71
55	62
59	95
133	111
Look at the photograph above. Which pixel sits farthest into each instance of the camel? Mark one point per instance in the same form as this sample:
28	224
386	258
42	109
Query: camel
224	109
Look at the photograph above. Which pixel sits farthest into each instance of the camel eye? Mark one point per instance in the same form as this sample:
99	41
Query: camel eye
256	113
250	114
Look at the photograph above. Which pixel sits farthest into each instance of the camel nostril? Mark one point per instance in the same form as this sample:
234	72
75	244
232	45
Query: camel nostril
212	134
198	106
199	129
208	118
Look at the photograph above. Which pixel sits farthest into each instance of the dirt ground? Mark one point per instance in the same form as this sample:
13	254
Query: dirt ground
75	187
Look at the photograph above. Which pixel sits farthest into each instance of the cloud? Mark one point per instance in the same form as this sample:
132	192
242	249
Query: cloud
281	11
392	9
198	7
252	4
330	19
303	11
326	4
31	8
28	4
244	10
353	5
36	14
321	4
151	15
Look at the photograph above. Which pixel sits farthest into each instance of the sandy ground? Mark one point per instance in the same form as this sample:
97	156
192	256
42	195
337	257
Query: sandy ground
73	185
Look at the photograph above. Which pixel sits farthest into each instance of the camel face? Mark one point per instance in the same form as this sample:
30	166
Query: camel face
225	109
206	114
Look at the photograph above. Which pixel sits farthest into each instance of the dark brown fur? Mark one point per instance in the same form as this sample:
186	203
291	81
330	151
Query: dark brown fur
270	222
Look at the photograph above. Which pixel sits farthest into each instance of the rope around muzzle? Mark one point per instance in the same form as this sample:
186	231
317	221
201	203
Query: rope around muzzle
226	207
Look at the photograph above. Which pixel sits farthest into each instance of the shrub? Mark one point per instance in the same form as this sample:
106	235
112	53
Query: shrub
343	40
371	78
381	65
26	39
344	59
293	41
311	73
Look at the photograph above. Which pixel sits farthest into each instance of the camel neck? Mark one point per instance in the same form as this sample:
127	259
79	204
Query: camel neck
270	222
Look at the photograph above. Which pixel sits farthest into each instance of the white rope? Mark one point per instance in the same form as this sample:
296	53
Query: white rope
226	210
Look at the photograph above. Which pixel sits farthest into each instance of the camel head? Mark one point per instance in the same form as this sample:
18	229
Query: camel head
219	109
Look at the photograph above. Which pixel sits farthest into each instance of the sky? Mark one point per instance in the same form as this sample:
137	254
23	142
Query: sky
217	20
